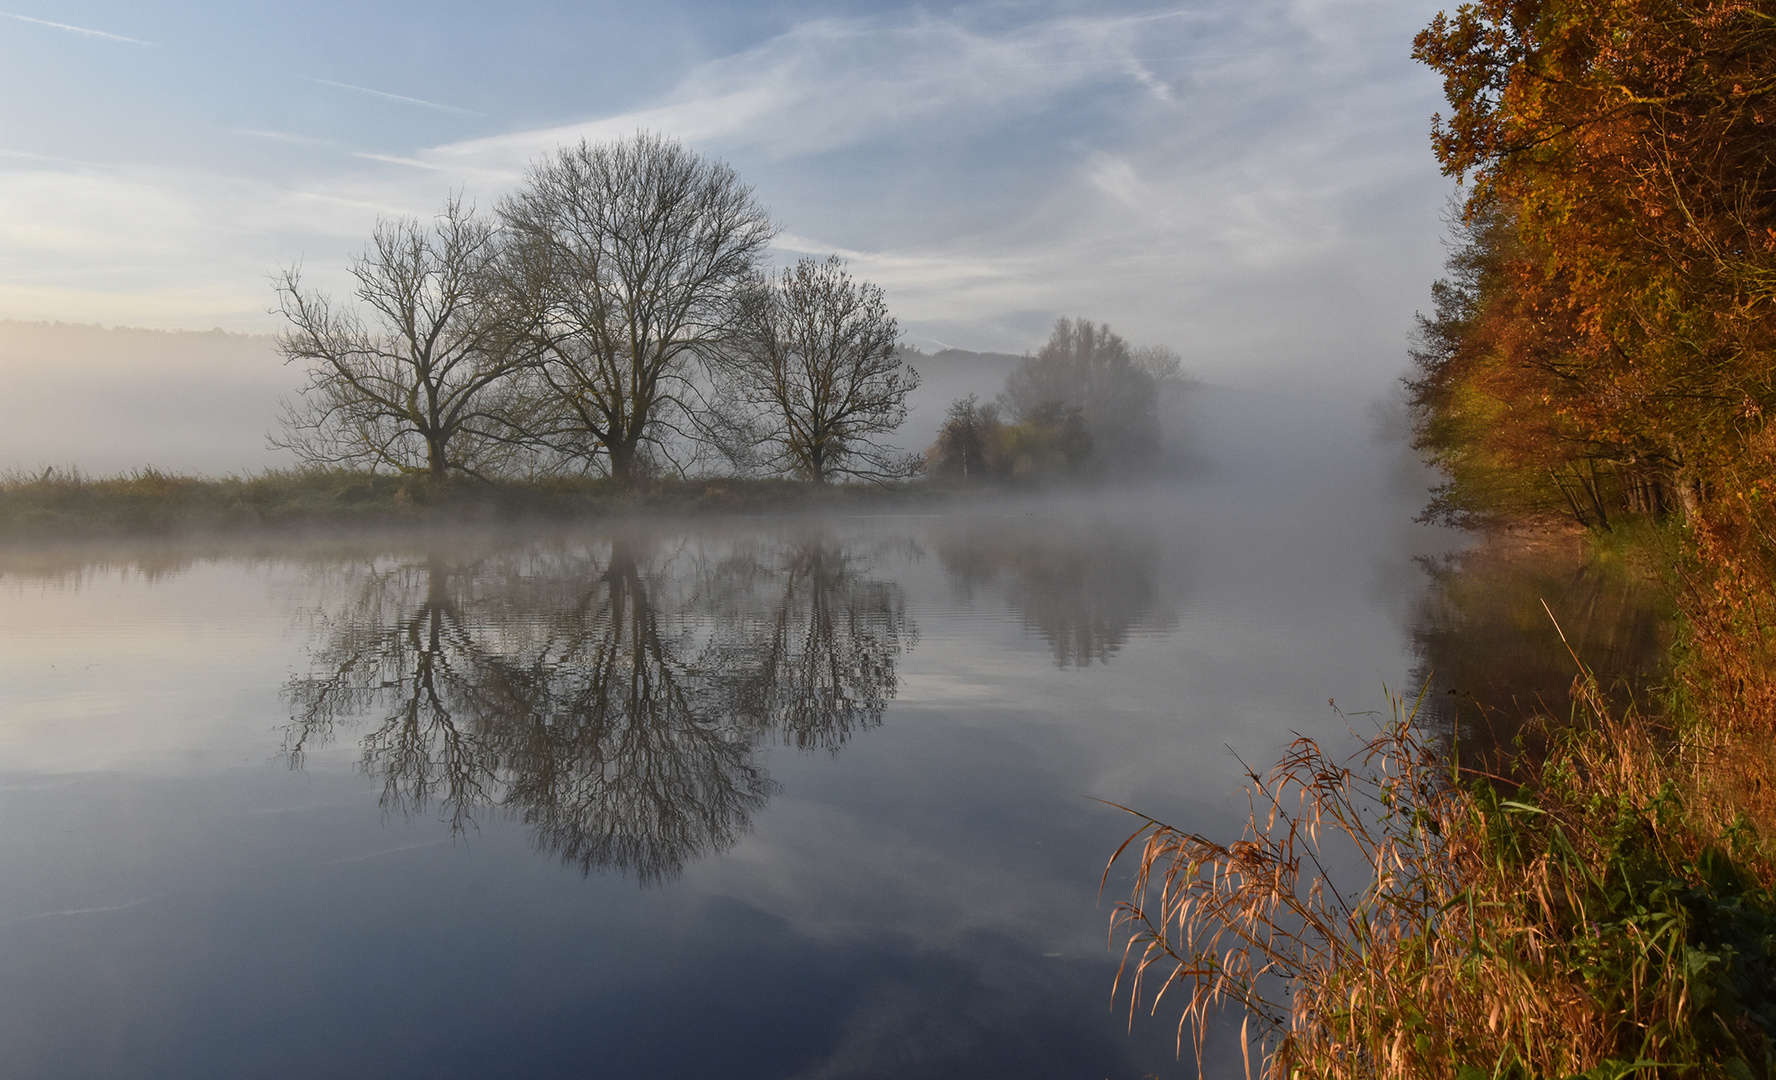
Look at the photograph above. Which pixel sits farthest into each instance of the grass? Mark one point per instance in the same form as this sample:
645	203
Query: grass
1605	912
1602	907
61	504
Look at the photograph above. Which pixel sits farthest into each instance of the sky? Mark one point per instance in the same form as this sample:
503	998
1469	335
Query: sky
1247	181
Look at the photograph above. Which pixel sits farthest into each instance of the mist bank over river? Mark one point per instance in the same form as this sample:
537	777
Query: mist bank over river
109	400
223	805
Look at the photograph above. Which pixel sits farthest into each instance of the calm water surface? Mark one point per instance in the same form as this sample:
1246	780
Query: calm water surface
805	798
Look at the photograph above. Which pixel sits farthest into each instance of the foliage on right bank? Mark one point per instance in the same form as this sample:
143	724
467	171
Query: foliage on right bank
1604	347
1604	342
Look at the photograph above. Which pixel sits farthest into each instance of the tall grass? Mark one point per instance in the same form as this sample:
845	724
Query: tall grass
1593	915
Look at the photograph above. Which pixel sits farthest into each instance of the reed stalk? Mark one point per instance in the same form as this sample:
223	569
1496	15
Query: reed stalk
1391	915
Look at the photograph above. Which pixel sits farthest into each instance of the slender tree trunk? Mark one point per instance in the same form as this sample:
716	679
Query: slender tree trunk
1591	489
1577	511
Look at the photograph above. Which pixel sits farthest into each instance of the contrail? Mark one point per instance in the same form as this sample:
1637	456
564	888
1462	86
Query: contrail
394	97
391	159
83	911
77	29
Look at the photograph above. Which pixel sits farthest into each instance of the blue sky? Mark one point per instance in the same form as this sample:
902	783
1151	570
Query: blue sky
1250	183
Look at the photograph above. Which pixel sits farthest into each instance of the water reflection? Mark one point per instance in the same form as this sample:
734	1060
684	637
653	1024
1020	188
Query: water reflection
1495	659
613	698
1083	589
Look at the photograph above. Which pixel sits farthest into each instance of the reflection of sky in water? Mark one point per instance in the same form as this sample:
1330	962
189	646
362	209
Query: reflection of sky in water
919	902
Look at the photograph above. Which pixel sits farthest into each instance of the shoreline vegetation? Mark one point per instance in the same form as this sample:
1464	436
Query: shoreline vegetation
1600	903
65	505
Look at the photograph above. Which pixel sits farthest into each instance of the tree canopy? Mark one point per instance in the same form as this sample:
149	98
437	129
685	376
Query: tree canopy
1610	306
411	380
628	258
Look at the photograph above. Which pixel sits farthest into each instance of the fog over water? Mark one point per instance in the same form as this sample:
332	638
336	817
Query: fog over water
107	400
758	797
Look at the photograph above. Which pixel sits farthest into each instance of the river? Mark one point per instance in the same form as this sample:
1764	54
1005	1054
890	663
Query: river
797	797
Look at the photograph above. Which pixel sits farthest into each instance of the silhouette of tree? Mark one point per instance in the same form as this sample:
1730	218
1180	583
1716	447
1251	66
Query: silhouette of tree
420	386
627	258
816	366
1088	372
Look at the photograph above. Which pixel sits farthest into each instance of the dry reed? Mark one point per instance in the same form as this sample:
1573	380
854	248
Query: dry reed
1592	917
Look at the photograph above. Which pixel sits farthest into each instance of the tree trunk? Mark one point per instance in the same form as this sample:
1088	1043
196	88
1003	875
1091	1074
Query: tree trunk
622	463
1689	495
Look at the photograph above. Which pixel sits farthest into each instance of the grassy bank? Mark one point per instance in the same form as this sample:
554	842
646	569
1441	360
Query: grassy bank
1603	908
68	505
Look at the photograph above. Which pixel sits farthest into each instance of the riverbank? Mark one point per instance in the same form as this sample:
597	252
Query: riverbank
58	505
1602	903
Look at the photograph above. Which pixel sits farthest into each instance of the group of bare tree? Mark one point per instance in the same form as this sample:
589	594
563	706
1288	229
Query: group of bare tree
613	317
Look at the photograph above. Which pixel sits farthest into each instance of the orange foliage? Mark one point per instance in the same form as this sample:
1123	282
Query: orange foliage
1629	143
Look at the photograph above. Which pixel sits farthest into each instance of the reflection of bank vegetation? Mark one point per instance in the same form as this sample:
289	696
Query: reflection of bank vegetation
615	701
1495	660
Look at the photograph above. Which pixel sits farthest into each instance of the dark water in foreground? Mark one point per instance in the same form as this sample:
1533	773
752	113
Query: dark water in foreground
751	799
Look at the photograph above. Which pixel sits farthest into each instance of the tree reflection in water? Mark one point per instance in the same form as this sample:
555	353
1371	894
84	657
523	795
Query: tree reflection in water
1493	659
819	665
1083	589
614	700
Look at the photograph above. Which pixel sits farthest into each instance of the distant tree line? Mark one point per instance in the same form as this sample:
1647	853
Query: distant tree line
611	317
1087	403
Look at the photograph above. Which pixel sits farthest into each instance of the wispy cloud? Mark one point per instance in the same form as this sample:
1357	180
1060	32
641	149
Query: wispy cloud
1246	180
404	99
392	159
832	83
282	136
77	29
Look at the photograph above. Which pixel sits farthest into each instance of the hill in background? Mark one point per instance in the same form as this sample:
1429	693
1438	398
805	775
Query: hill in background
943	377
113	399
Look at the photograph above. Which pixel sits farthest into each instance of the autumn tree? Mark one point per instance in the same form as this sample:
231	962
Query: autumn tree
1627	145
627	258
410	378
1490	408
815	364
968	444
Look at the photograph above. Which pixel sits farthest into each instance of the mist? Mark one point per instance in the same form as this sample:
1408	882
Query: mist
106	400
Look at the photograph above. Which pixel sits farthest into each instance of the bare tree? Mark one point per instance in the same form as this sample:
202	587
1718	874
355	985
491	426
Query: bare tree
412	388
815	357
627	256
